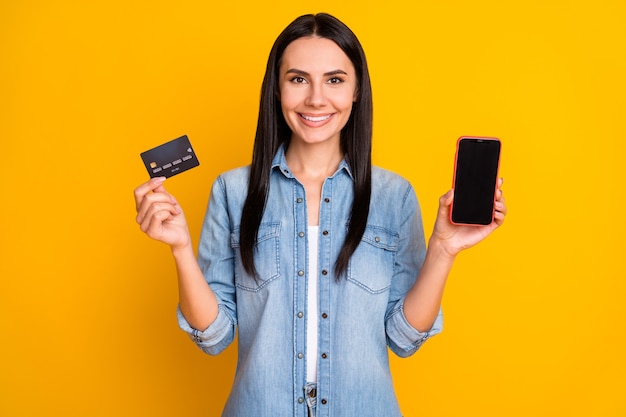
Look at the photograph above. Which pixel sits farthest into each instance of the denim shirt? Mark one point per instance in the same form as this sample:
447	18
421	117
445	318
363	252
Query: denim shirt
360	315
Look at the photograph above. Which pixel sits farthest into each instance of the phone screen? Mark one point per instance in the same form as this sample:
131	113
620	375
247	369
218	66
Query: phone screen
476	172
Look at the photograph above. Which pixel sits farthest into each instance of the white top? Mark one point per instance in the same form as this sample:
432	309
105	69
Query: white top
312	307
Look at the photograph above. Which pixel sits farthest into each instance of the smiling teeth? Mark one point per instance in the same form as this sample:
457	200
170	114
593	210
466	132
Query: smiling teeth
316	119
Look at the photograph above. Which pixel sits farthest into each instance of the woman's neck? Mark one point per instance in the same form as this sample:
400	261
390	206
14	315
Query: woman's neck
313	161
311	164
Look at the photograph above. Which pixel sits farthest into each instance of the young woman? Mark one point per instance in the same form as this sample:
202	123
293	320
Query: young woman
317	258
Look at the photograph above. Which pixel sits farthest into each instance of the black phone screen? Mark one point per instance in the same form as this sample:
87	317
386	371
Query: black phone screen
475	179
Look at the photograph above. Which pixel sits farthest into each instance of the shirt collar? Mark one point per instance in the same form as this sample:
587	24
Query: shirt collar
280	162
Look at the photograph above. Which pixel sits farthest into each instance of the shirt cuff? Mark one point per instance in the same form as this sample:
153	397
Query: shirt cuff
404	340
214	338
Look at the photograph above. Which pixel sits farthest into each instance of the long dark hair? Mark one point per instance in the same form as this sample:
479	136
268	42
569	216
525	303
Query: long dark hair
272	131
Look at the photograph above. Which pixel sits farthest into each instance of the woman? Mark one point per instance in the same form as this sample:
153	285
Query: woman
317	258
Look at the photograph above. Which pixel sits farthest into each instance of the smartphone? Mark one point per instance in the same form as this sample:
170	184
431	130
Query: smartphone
476	166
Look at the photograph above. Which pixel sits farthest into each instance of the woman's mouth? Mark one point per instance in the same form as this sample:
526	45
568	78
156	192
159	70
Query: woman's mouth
315	119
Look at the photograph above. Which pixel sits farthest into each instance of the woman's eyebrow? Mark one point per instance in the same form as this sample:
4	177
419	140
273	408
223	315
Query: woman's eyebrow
336	72
326	74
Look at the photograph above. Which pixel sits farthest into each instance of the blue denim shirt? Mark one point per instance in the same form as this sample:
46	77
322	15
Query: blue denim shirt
360	316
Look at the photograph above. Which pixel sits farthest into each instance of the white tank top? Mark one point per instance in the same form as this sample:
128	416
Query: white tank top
312	307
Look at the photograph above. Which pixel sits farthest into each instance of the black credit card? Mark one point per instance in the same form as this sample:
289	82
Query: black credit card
171	158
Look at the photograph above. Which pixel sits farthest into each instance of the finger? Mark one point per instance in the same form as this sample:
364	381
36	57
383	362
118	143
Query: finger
446	199
498	217
500	207
499	187
154	227
156	215
161	189
141	191
153	202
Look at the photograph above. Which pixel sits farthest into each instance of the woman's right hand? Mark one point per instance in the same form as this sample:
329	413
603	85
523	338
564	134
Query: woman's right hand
159	215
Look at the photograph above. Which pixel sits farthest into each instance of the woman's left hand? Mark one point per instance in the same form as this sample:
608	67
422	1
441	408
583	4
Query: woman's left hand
454	238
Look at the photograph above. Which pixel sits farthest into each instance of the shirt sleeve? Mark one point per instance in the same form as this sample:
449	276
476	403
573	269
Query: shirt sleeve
214	338
216	260
402	338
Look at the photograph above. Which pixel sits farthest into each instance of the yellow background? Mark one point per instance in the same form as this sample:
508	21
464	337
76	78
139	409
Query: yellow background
535	316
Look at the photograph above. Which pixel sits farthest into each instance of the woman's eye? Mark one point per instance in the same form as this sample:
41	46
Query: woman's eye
298	80
335	80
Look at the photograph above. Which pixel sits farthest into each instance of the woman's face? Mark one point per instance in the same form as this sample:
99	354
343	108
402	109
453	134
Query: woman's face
317	88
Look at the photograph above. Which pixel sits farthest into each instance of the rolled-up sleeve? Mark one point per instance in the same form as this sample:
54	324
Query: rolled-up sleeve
402	338
214	338
216	260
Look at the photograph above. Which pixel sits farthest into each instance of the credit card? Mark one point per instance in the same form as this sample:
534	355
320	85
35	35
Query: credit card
171	158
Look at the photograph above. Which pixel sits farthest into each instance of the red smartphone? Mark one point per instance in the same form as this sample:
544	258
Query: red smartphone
476	165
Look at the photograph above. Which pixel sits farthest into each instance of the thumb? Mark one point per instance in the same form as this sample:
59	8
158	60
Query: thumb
446	199
445	202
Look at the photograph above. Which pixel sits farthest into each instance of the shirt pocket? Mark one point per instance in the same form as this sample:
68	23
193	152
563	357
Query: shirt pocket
266	258
371	266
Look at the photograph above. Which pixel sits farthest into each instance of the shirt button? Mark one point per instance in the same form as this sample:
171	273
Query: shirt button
324	356
300	273
300	314
324	272
299	200
324	315
324	401
325	232
377	239
300	355
327	200
300	400
301	234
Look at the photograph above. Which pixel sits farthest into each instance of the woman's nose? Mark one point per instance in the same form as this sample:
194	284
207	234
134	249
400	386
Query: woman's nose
316	96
